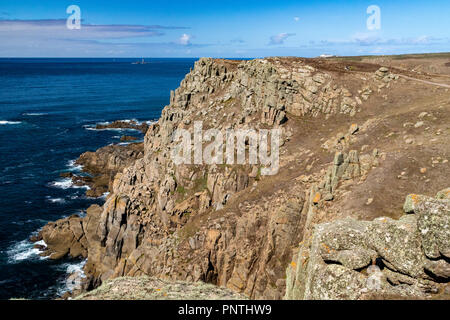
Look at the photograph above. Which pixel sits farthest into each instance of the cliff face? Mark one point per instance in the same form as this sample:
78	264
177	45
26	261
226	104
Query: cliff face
162	219
227	224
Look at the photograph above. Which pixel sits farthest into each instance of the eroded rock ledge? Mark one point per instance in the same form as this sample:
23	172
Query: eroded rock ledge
99	168
103	165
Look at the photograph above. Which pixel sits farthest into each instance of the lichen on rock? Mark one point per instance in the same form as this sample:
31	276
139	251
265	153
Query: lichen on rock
410	256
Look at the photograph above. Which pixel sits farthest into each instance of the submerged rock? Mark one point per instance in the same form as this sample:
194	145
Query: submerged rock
124	124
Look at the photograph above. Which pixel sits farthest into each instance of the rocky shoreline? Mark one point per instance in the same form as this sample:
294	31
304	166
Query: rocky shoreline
63	237
102	166
346	139
124	124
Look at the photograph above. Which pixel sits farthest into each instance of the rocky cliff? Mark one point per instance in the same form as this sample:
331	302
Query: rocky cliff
344	143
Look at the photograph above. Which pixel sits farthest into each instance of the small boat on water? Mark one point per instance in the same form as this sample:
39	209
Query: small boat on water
140	62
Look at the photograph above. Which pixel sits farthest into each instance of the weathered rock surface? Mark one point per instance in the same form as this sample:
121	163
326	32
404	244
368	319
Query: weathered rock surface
128	138
351	259
146	288
103	165
64	238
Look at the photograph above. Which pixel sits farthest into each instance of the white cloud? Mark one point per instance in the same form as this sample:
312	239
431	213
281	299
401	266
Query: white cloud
423	40
296	19
185	39
366	38
280	38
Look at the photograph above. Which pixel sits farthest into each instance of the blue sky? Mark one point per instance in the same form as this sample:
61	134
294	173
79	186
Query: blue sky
246	28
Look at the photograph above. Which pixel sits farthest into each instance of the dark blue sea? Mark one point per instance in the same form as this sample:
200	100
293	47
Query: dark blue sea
48	108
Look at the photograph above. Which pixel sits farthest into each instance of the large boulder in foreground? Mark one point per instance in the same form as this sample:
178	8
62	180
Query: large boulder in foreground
380	259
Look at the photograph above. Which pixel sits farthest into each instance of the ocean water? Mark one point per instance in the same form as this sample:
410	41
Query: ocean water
47	110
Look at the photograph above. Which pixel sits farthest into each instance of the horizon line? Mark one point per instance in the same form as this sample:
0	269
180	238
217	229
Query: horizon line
261	57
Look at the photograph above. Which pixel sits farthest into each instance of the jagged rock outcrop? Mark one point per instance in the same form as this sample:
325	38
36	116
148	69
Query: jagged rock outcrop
384	258
345	167
384	75
64	238
103	165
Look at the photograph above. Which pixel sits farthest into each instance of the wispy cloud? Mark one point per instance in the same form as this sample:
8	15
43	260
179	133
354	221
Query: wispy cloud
280	38
373	43
52	38
185	39
56	29
237	41
371	39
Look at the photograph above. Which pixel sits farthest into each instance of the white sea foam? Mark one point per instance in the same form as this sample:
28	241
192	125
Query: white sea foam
73	166
82	187
130	121
56	200
149	122
4	122
41	243
105	195
36	114
110	129
62	184
67	183
24	250
75	275
76	267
